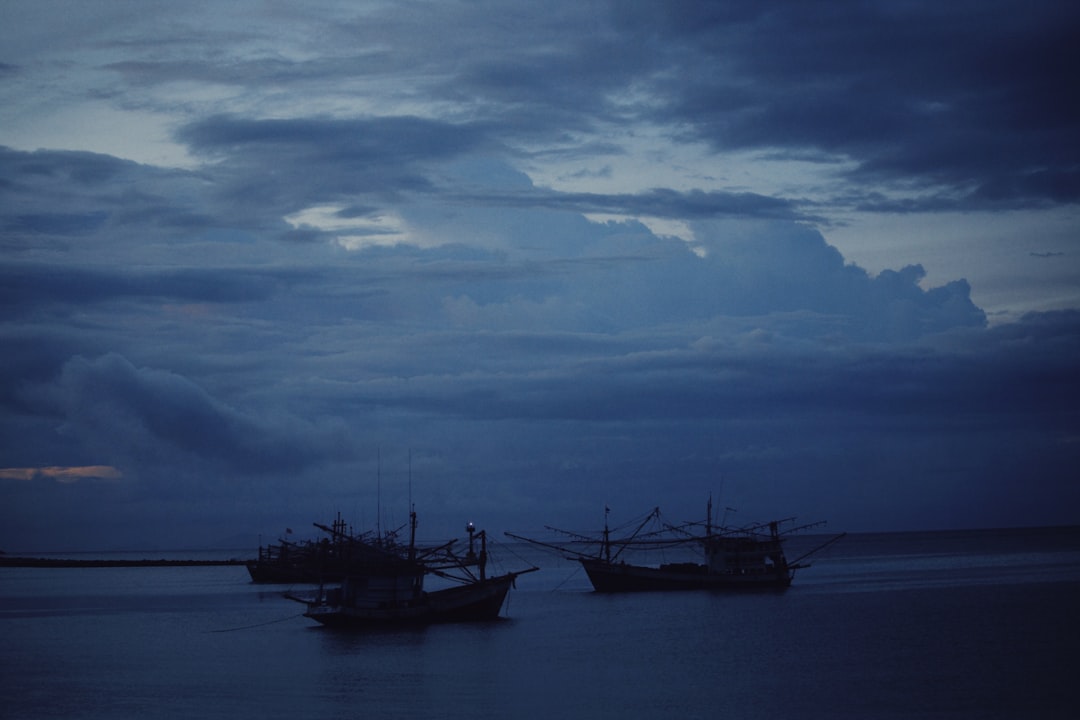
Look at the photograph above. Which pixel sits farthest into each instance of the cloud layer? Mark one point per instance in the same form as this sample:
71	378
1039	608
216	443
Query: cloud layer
515	263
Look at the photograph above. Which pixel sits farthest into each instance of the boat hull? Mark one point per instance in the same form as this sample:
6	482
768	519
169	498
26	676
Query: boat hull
622	577
477	601
277	574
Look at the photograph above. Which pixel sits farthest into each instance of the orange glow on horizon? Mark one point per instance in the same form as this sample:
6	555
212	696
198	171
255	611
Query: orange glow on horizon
62	474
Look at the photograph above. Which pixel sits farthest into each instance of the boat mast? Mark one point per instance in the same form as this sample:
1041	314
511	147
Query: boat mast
412	534
607	536
412	515
483	555
378	494
481	561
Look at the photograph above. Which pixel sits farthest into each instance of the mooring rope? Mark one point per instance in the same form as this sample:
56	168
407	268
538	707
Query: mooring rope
566	580
248	627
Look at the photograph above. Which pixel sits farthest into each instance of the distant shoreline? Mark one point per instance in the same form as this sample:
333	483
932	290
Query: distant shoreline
32	562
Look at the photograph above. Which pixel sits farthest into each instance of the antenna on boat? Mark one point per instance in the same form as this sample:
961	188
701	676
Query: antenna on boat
708	516
723	518
378	493
607	536
412	515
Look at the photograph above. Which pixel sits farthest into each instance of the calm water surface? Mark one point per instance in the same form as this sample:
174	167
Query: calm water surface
921	625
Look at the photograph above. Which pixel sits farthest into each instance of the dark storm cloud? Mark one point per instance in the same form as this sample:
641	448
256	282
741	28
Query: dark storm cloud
634	418
972	380
63	197
379	140
289	165
658	203
965	106
33	287
155	416
973	101
54	223
333	160
28	171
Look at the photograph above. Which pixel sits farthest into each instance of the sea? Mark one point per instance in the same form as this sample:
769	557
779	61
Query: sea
967	624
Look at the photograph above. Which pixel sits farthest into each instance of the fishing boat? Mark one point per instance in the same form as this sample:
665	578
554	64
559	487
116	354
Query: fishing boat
742	558
383	586
313	561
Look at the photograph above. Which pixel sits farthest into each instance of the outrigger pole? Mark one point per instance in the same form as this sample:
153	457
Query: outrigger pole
822	546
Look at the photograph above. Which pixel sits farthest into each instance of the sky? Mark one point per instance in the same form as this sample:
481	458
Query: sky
512	263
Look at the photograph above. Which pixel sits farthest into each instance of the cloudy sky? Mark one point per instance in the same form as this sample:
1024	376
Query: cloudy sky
261	262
